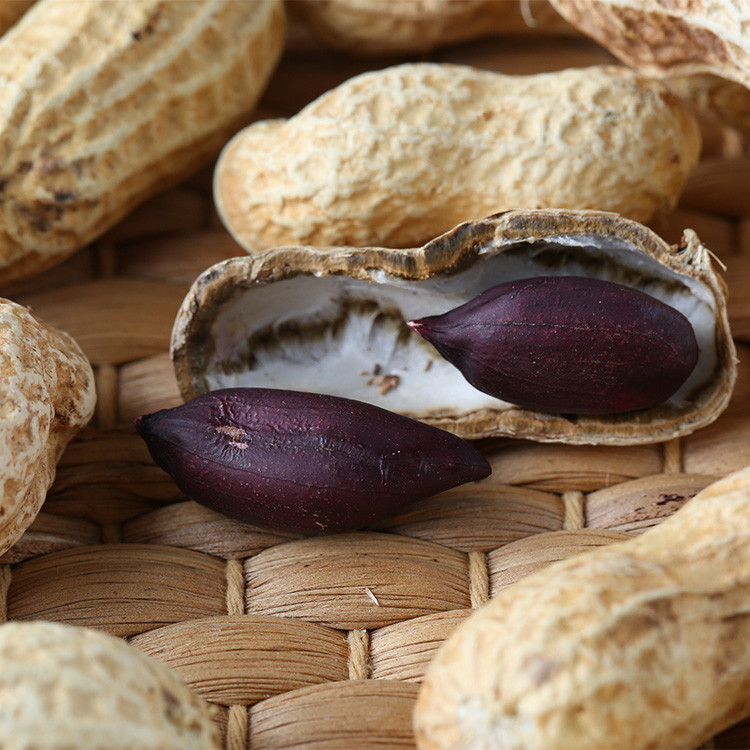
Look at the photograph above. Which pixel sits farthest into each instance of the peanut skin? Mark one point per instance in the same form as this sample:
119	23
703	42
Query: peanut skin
394	157
642	644
303	462
105	103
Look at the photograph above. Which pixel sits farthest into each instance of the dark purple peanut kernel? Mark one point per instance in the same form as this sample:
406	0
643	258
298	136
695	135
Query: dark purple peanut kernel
304	462
567	344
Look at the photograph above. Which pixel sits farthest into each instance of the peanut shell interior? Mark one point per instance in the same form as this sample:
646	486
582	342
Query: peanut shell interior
333	320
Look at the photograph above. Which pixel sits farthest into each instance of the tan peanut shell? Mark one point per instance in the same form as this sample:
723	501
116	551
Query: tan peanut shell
667	37
47	395
704	40
105	103
333	320
71	687
641	644
396	156
378	27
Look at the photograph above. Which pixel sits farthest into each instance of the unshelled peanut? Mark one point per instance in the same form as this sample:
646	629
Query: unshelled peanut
72	687
394	157
102	104
641	644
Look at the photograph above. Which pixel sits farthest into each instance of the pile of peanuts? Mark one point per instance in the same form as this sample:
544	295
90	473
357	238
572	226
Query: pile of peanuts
102	105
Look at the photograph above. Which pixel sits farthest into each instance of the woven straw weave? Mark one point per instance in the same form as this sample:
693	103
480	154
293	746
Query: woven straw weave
321	642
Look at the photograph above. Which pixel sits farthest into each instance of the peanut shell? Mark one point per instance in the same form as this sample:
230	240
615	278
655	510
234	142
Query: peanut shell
47	395
396	156
334	320
701	48
71	687
381	27
105	103
640	644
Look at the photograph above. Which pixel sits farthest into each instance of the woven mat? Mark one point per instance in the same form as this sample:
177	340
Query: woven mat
322	642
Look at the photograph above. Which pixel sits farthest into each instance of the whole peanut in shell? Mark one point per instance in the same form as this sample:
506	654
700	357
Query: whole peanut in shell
104	104
72	687
641	644
567	344
394	157
47	395
304	462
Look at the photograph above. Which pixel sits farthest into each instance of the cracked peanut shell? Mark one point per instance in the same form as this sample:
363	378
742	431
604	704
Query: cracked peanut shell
396	156
335	320
47	395
103	104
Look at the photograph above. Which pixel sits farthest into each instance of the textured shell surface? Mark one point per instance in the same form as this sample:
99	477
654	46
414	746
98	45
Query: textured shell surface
47	394
103	104
334	320
621	647
64	686
666	37
396	156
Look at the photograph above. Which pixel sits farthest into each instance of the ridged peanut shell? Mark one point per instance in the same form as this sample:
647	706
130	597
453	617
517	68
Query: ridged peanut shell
701	48
396	156
382	27
103	104
64	687
47	394
640	644
665	37
334	320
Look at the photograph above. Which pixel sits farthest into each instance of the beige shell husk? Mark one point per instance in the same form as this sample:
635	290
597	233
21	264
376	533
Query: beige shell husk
103	104
693	45
64	686
47	394
382	27
640	644
212	338
394	157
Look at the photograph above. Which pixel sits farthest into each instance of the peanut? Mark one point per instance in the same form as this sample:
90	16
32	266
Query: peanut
304	462
104	104
397	156
641	644
47	395
567	344
70	687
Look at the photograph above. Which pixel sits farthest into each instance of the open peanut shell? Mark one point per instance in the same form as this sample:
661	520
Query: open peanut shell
333	320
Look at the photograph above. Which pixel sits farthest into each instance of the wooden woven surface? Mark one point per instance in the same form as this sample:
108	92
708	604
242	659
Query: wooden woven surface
322	642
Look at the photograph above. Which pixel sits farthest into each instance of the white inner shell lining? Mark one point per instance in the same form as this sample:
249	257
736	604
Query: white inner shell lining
370	330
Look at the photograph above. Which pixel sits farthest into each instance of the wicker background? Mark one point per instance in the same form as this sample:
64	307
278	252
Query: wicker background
321	643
